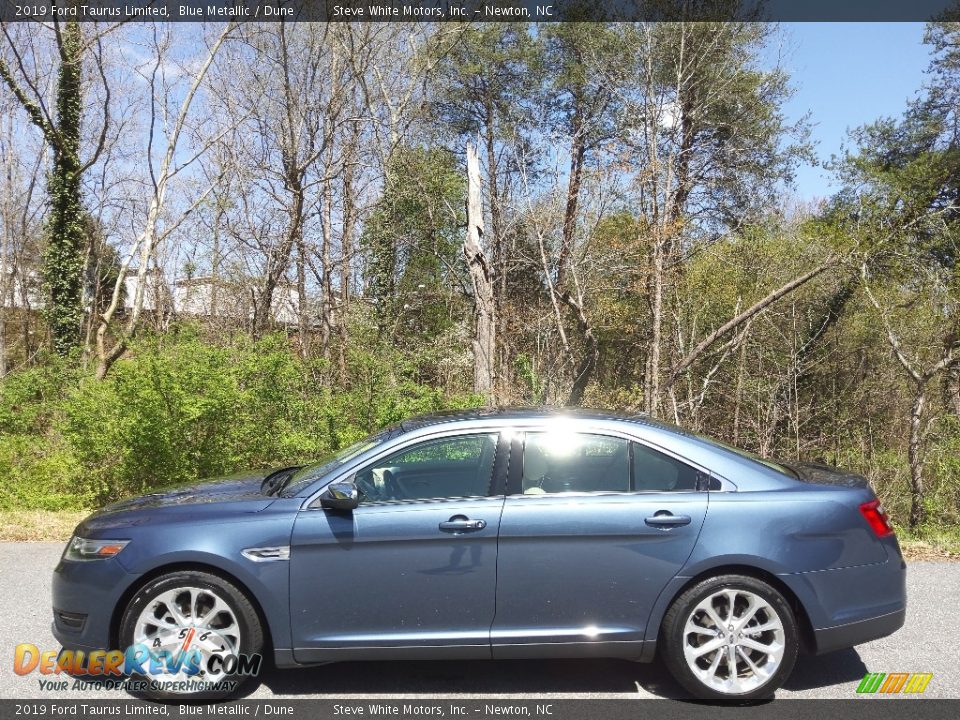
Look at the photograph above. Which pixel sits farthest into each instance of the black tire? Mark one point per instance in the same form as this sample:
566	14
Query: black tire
251	630
671	642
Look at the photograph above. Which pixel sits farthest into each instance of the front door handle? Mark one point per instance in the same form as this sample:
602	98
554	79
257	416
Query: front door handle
666	519
461	523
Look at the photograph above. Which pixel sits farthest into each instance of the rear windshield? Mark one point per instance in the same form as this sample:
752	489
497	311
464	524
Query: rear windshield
748	455
783	469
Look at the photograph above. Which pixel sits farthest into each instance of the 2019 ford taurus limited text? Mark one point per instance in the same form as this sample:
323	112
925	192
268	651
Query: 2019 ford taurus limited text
495	534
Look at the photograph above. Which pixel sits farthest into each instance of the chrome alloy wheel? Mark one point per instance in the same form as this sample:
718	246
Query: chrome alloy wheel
184	620
733	641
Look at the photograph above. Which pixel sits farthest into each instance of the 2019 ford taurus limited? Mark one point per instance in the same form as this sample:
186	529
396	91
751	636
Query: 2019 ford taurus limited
493	534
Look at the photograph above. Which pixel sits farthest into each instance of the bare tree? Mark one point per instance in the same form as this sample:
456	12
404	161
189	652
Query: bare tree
152	234
921	378
21	218
286	161
707	152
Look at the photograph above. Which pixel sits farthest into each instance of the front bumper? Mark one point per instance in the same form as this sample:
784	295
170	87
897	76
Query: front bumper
85	595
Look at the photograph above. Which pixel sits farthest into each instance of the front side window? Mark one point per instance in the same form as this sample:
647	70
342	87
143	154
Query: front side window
451	467
555	462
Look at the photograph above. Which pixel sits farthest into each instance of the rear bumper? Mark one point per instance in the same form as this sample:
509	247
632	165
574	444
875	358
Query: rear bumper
853	605
855	633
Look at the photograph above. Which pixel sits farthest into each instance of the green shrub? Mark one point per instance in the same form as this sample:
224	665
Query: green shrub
40	474
943	469
30	398
178	409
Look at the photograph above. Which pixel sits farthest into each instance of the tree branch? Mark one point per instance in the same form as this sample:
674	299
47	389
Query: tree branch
37	116
891	336
734	322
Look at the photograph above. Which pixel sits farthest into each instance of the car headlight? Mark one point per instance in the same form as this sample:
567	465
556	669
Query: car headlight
84	549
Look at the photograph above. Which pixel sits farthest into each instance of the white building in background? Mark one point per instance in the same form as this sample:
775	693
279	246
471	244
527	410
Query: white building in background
206	297
12	287
212	297
155	290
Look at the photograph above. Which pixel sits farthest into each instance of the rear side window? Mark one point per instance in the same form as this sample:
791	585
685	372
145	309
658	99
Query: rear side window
653	471
555	462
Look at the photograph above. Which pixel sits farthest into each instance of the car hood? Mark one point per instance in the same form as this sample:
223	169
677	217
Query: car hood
823	474
238	493
242	486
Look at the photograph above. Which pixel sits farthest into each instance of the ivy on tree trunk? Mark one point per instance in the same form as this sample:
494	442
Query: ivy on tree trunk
63	257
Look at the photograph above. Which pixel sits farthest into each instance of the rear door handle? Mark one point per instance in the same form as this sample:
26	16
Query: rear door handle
460	523
666	519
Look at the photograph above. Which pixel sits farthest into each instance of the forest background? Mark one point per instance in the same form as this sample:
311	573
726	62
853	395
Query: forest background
233	246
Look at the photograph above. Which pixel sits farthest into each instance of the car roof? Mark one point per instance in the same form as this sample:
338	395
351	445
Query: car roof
517	413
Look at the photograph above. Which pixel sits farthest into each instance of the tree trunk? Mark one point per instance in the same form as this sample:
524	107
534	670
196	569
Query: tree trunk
328	307
3	313
303	309
588	363
215	267
577	152
497	269
346	254
738	391
3	341
63	255
7	273
915	458
484	343
655	288
583	372
146	244
278	260
952	387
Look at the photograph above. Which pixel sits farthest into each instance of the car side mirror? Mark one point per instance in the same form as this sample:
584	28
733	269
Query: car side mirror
340	496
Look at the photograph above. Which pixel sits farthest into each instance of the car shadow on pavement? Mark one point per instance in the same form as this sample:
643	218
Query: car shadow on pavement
817	671
518	677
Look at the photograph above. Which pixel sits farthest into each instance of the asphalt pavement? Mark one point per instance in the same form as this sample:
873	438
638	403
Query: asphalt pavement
928	642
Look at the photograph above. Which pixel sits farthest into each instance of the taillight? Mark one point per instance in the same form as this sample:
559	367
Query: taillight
877	518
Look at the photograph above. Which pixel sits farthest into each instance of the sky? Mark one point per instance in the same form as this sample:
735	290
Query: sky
846	75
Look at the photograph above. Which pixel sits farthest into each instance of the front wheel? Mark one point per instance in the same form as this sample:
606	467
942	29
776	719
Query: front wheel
192	629
731	637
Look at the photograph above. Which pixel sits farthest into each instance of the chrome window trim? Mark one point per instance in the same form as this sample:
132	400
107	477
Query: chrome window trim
401	443
506	431
725	485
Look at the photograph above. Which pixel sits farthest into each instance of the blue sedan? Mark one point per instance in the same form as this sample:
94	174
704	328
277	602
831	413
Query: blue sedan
491	534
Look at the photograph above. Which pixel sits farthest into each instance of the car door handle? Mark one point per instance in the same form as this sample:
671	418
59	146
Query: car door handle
459	523
667	519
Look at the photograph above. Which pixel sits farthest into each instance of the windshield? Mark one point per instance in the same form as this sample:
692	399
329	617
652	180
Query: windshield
308	473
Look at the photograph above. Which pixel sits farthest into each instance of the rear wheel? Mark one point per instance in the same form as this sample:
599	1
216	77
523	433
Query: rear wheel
195	626
732	637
